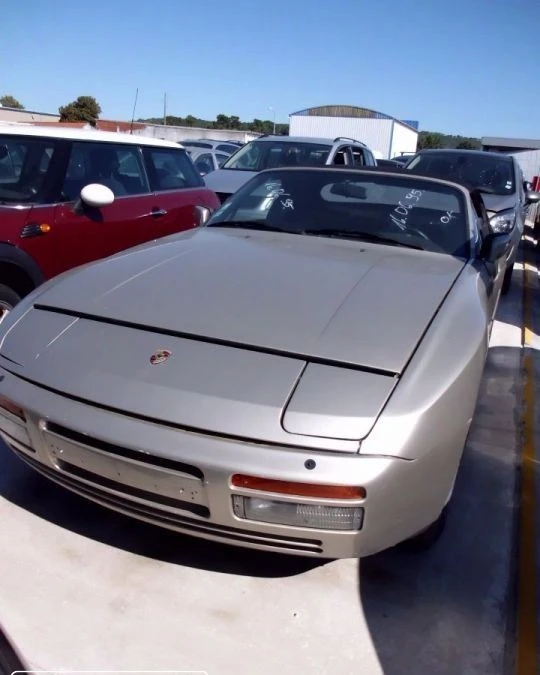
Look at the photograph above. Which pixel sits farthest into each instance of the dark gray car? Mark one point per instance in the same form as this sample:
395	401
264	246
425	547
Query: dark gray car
500	179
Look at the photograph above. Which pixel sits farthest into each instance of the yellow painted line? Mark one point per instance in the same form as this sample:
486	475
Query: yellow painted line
527	640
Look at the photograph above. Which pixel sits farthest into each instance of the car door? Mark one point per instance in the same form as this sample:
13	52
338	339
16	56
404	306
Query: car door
177	189
90	233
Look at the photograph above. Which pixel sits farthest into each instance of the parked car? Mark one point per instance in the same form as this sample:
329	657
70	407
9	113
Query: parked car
310	392
270	151
389	163
498	176
403	158
209	144
206	160
68	197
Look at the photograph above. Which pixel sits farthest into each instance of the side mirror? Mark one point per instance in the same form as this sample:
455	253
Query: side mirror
97	195
532	197
202	214
495	246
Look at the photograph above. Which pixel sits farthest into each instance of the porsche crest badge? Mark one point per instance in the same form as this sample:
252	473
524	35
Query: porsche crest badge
160	356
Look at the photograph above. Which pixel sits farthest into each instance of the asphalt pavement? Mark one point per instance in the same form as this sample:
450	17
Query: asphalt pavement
82	588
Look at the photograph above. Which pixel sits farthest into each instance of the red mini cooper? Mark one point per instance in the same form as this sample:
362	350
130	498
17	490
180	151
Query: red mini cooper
68	197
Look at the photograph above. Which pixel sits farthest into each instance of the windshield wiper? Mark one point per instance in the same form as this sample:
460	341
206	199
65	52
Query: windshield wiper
362	236
251	225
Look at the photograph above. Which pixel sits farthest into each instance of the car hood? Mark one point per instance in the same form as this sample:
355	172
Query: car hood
341	301
495	203
270	337
227	180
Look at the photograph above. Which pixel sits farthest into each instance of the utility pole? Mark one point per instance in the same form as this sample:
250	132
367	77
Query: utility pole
165	109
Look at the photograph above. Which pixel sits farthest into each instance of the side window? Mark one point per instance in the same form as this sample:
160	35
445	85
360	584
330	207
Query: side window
171	169
119	167
204	164
359	158
25	166
341	158
225	147
221	159
370	159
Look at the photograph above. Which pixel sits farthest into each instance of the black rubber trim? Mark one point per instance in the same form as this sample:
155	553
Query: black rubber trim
128	490
215	341
126	453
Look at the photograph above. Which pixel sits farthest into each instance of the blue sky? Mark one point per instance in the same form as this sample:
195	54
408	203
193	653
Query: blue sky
470	67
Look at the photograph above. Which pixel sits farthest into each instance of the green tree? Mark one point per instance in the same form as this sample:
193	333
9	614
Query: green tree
83	109
430	139
222	122
9	101
466	145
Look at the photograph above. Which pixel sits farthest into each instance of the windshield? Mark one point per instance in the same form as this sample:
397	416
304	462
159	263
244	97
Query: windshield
402	210
259	155
493	173
24	165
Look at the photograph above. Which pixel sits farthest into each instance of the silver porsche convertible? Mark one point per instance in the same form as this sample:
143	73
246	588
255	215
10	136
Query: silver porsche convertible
298	374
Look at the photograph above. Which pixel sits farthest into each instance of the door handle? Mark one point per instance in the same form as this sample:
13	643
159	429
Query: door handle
155	213
158	212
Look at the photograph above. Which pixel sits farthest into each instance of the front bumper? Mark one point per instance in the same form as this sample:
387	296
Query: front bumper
181	479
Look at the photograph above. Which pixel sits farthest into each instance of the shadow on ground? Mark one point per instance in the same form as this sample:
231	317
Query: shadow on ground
451	609
24	487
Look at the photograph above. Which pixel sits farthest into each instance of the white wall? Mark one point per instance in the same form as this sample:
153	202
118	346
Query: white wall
375	133
16	115
529	162
172	133
404	139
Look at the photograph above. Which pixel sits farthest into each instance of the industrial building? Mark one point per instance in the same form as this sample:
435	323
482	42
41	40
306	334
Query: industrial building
385	135
525	150
21	115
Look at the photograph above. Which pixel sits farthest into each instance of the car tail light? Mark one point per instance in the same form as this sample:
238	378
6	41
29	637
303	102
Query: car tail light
12	408
317	491
315	516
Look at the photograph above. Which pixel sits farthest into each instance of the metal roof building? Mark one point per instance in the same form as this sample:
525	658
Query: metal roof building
525	150
383	134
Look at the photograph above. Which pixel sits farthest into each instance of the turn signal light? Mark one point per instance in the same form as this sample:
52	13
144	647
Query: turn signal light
12	408
35	230
298	489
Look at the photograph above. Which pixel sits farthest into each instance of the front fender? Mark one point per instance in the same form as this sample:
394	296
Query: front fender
433	404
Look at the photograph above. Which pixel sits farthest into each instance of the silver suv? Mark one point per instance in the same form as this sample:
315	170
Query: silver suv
270	152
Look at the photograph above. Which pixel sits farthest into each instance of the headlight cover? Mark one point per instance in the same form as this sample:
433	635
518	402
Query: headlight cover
503	221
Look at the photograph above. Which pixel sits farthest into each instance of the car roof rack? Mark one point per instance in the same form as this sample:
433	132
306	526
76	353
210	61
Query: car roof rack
346	138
